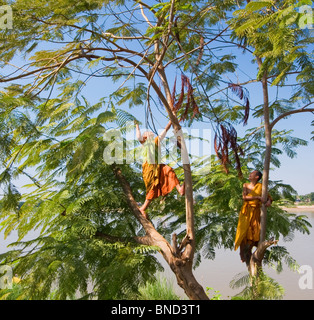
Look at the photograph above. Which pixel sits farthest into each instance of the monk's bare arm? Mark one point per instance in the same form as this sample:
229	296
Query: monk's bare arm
245	194
164	132
138	132
244	191
269	201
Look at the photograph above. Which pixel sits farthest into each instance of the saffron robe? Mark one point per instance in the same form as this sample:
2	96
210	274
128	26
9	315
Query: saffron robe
248	229
159	179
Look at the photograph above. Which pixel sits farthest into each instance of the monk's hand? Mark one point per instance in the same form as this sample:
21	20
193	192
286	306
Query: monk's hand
268	203
263	201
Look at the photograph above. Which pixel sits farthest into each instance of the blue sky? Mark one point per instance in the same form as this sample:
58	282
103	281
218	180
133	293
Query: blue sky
299	171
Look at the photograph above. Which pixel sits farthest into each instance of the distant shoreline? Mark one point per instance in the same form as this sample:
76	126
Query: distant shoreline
299	208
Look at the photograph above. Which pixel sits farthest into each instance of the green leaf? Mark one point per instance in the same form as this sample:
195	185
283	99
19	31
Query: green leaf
258	5
106	116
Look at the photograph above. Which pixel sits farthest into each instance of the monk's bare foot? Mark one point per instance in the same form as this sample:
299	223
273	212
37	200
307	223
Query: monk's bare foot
183	189
143	212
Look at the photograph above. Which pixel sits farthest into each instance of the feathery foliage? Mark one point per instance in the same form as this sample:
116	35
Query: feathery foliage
261	288
51	132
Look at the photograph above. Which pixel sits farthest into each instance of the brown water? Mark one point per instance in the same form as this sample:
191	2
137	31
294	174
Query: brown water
219	272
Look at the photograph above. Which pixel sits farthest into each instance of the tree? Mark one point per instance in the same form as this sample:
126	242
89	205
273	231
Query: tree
81	38
279	46
87	212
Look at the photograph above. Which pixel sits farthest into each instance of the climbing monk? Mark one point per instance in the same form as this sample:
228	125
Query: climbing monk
248	229
159	179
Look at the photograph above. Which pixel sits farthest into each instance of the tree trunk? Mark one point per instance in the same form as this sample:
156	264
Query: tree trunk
267	153
177	257
188	253
256	259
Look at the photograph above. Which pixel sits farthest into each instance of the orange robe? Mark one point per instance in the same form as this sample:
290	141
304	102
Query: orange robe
159	179
248	229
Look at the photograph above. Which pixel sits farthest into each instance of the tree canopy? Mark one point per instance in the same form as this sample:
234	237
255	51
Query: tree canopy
177	60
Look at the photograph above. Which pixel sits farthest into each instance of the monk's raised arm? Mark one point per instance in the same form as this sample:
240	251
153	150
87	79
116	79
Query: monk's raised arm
245	193
164	132
138	132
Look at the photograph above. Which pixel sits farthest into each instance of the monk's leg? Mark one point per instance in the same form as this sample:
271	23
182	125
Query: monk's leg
144	207
246	251
181	189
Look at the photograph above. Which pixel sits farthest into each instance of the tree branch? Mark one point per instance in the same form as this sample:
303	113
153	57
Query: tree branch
185	54
152	237
38	70
254	263
105	36
144	15
186	240
288	113
259	253
145	5
141	240
175	244
129	197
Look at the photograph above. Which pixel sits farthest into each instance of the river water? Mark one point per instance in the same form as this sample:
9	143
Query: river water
218	273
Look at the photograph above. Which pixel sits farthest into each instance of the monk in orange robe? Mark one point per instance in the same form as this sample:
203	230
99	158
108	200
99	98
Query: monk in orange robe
248	229
159	179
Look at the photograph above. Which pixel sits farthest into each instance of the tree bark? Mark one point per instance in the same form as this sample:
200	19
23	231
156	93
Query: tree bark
189	208
176	257
181	263
268	148
255	261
